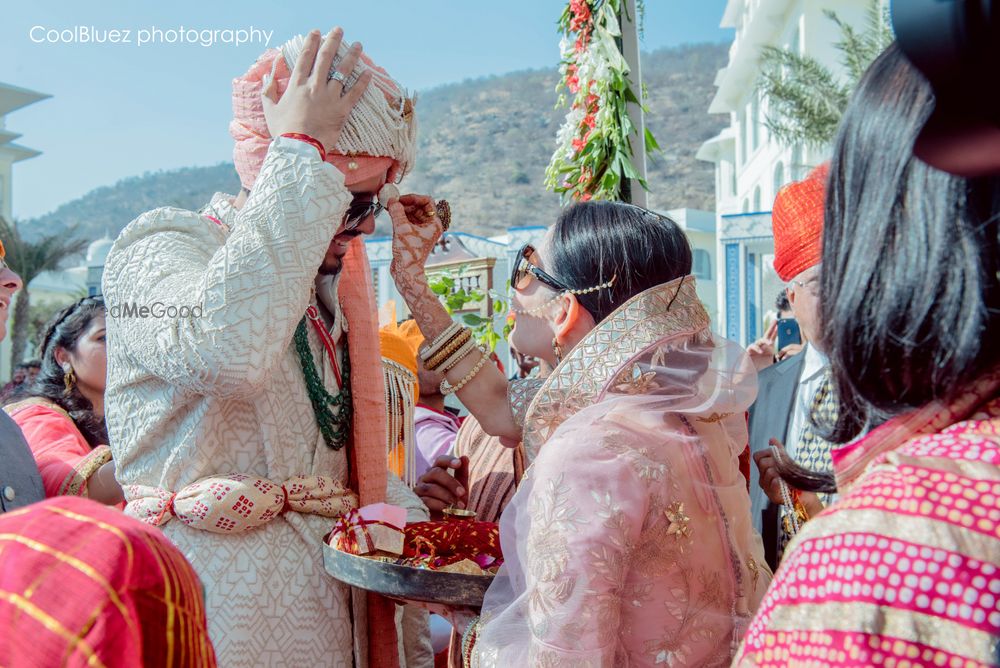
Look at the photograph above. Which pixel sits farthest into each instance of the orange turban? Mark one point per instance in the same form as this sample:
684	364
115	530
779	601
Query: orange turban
398	349
399	369
412	334
797	219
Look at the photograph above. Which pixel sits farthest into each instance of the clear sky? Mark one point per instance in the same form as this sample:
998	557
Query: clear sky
119	110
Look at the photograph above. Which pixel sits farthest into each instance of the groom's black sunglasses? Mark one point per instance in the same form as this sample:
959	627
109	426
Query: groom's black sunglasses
362	206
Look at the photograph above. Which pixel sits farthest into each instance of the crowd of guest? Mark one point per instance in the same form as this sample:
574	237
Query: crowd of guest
664	497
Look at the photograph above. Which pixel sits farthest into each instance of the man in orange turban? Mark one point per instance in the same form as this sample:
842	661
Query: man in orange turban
399	365
426	430
797	390
256	394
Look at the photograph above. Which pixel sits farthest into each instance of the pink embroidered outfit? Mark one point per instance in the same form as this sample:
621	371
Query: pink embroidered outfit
905	567
628	541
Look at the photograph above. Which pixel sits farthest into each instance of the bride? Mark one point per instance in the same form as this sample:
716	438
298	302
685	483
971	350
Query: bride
629	540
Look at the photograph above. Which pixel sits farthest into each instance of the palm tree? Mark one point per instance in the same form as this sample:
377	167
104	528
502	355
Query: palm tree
28	259
805	98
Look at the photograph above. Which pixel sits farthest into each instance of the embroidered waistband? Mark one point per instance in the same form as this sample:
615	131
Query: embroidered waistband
236	502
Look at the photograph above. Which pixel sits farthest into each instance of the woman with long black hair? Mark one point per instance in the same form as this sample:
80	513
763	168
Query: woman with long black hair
61	413
905	567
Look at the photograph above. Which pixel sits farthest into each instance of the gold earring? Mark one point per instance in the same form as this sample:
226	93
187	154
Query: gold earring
69	379
557	349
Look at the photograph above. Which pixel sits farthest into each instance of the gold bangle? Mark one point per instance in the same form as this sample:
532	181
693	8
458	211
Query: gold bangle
459	355
439	340
428	352
801	511
447	388
439	357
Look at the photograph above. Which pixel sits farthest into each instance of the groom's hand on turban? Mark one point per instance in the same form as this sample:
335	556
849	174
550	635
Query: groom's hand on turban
314	104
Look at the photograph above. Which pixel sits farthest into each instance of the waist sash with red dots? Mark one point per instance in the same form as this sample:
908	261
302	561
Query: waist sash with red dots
236	502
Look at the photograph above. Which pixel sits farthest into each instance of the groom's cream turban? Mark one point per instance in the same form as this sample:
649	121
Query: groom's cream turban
380	134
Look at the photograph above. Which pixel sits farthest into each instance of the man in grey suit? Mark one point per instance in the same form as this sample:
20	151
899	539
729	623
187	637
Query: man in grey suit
770	416
789	392
20	483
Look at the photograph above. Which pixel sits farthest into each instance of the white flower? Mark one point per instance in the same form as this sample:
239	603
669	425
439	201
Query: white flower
565	48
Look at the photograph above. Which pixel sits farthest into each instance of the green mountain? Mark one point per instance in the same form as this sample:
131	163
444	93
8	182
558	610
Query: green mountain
483	145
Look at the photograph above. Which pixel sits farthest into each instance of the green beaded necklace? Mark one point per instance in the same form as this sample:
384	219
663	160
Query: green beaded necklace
335	425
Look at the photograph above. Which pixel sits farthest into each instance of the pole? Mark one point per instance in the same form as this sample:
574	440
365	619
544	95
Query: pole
632	190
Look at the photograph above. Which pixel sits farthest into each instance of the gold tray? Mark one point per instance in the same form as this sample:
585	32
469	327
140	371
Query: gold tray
407	582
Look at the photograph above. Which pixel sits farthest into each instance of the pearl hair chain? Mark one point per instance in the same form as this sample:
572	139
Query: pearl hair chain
541	307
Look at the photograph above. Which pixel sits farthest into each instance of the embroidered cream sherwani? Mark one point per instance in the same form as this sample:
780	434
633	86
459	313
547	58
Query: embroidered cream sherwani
224	393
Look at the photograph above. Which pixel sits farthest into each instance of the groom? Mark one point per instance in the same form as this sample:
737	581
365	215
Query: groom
244	431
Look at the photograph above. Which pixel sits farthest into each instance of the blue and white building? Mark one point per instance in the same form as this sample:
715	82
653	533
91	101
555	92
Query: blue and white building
750	167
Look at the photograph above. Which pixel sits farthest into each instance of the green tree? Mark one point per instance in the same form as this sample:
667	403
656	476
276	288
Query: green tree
28	259
455	299
805	98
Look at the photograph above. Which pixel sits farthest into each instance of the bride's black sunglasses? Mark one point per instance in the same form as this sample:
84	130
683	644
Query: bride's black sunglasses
523	270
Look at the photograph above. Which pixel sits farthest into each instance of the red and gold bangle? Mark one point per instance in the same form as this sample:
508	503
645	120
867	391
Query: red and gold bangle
798	506
309	140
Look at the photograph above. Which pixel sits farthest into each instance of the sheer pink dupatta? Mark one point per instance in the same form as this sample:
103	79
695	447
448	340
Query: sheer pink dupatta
629	541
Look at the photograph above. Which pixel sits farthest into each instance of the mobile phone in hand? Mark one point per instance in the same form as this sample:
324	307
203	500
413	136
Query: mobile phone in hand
788	333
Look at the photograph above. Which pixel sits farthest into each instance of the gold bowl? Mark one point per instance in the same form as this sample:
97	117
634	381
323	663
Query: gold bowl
458	514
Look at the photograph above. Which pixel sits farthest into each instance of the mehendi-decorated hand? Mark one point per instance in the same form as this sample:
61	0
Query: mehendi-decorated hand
415	230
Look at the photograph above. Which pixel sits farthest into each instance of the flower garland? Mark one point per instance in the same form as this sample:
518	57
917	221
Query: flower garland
593	157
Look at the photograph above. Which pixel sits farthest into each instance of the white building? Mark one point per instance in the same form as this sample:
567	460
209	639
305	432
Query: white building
12	98
97	253
749	166
700	227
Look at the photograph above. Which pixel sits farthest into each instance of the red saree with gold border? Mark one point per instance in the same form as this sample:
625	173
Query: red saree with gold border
81	584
